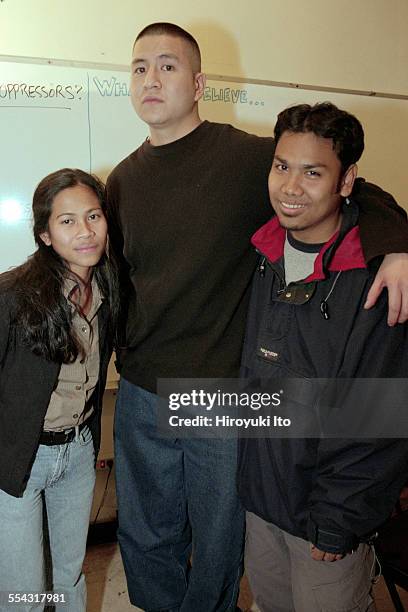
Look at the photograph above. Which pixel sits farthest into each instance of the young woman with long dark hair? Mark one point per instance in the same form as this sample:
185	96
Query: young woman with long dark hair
57	321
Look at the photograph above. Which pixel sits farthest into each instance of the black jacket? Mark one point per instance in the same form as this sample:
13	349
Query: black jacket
26	384
333	492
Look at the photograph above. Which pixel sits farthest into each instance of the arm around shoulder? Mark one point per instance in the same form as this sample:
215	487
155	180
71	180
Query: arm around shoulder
383	223
384	232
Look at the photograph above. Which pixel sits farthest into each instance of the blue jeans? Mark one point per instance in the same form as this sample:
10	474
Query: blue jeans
64	477
176	498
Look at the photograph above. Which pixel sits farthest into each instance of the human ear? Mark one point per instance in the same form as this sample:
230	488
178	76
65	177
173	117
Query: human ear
347	180
199	82
45	237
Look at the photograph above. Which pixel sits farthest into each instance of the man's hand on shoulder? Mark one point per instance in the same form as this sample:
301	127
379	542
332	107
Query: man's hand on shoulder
393	274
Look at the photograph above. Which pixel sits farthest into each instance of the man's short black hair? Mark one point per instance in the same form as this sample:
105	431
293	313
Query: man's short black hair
327	121
171	29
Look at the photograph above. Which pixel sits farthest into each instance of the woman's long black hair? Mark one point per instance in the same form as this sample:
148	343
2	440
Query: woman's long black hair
43	315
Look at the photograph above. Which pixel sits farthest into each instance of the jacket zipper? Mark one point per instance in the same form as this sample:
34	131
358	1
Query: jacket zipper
262	268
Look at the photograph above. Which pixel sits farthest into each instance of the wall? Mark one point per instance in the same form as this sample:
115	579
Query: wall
357	44
350	44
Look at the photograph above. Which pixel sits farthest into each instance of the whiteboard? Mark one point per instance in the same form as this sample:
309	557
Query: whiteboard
54	115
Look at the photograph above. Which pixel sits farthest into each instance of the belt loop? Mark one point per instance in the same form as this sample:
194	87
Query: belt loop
76	433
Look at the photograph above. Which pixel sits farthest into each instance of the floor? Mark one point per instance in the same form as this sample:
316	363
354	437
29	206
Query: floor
107	585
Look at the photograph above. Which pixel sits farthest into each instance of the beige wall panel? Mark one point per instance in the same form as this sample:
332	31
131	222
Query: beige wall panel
350	44
357	44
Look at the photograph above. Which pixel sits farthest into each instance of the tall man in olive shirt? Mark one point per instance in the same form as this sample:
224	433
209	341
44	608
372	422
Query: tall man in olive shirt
183	207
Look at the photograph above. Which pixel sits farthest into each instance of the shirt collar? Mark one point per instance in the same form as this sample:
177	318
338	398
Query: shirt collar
69	286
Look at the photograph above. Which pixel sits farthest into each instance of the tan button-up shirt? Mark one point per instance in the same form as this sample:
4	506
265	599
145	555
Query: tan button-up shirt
76	381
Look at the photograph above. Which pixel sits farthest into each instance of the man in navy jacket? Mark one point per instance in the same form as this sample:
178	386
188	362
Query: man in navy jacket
314	503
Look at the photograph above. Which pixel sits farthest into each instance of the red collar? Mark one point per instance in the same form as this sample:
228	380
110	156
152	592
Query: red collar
269	240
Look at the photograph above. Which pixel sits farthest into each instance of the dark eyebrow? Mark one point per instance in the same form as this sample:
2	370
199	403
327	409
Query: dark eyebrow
75	214
171	56
316	165
306	166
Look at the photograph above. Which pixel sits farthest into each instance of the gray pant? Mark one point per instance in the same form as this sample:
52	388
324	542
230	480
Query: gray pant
284	578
